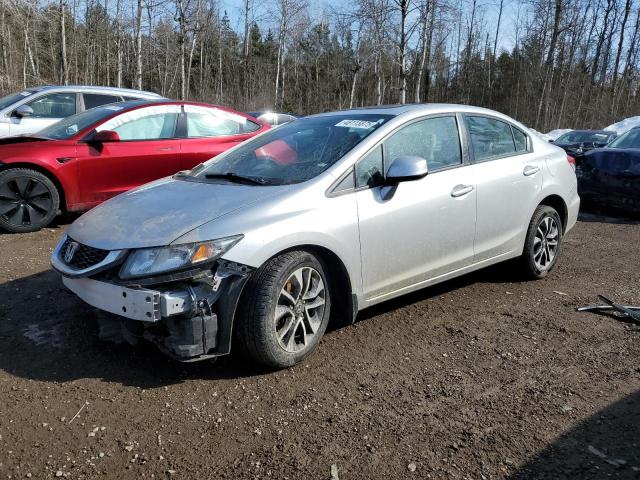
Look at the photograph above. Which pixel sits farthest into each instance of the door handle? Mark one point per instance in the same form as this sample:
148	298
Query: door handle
460	190
530	170
165	149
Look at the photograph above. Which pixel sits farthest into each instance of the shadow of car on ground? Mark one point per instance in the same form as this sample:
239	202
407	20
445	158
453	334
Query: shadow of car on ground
606	445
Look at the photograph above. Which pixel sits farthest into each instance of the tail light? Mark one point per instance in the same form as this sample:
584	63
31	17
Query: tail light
572	162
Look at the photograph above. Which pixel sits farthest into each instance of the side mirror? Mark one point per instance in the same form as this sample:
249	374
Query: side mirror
406	168
403	169
105	136
23	111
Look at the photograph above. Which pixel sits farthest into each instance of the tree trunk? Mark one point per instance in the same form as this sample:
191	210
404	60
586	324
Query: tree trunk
138	81
64	69
118	47
283	25
627	10
403	5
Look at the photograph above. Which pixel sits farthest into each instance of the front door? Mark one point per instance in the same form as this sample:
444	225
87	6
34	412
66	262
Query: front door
426	228
147	150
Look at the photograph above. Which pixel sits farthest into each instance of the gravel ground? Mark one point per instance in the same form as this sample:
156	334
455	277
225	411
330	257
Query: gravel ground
481	377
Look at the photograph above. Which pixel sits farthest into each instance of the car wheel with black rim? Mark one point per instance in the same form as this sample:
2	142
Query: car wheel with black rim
285	309
543	242
29	200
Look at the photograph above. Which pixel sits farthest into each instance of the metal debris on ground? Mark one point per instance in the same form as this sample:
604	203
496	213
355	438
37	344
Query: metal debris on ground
624	311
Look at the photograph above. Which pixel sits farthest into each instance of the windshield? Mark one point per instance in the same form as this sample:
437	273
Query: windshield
13	98
295	152
631	139
68	127
579	137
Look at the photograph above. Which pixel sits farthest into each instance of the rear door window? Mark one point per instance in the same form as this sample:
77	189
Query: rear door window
490	138
212	122
54	105
92	100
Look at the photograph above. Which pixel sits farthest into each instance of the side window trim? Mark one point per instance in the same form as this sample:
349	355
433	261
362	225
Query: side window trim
527	141
333	191
472	158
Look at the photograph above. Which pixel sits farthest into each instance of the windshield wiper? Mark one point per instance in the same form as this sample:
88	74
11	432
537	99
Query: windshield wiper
234	177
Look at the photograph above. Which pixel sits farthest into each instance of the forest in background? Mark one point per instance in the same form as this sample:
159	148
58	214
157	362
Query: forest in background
573	64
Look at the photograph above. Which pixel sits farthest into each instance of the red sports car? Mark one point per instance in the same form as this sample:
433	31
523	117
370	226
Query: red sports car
88	158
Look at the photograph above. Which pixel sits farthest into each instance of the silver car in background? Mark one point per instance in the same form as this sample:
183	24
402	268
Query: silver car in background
33	109
316	220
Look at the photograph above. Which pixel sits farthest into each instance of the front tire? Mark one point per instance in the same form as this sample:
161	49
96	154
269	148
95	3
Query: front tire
285	309
542	244
29	200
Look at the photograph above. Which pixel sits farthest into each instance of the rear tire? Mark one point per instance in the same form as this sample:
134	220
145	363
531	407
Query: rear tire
29	200
542	243
285	310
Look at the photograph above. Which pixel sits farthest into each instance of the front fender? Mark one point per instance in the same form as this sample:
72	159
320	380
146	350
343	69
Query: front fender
329	223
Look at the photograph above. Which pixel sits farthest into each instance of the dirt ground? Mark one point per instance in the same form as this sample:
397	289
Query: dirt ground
482	377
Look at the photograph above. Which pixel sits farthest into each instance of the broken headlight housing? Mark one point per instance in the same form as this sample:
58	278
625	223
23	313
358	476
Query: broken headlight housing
152	261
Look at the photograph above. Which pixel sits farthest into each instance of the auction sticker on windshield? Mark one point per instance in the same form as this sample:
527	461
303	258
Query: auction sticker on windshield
356	124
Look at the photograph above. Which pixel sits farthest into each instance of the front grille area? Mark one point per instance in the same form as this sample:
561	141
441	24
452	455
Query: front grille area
83	257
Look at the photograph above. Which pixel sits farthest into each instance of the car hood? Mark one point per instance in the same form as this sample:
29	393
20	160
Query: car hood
158	213
22	139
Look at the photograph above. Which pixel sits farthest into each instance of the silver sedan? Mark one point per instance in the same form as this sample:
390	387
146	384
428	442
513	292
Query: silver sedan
315	221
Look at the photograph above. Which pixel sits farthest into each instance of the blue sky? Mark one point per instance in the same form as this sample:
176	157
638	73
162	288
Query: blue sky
320	8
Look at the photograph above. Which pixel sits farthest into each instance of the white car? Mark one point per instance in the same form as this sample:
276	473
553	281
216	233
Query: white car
33	109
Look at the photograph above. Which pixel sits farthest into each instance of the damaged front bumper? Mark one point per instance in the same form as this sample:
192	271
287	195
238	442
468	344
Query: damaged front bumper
189	320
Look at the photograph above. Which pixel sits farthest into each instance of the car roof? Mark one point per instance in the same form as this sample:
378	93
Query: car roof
425	108
144	102
92	88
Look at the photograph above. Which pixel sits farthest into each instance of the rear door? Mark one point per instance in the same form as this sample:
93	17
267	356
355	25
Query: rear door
147	150
508	177
211	131
47	109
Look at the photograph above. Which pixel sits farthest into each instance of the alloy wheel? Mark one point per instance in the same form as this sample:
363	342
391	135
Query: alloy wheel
24	201
300	309
545	243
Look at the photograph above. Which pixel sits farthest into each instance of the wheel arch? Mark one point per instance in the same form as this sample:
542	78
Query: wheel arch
46	172
344	302
558	203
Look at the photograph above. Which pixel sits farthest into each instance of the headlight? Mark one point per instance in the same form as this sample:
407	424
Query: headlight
150	261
